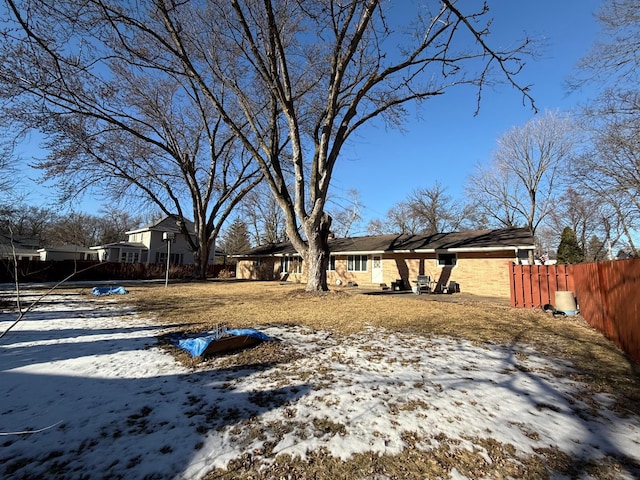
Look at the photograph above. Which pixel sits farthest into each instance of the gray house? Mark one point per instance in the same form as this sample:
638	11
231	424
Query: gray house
22	248
148	244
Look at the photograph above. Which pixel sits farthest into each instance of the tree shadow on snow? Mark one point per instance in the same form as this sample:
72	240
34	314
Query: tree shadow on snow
127	427
109	414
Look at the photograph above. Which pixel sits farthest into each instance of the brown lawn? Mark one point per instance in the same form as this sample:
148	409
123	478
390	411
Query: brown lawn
598	363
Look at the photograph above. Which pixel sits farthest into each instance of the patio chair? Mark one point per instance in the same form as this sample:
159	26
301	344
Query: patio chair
422	284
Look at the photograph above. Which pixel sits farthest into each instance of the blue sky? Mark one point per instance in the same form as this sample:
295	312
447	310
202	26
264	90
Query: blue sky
445	143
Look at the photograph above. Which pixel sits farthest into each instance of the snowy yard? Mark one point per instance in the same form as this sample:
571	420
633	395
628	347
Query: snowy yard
89	393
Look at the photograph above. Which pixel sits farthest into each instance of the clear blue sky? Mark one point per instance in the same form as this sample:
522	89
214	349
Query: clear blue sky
447	141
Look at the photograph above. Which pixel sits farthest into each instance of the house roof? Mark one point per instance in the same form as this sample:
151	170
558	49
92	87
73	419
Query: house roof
65	248
165	224
120	244
19	240
466	241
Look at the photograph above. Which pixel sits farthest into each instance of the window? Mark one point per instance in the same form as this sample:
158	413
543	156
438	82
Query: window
332	264
174	259
130	257
446	259
357	263
291	265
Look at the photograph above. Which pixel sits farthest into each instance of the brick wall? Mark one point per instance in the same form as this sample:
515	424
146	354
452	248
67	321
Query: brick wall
484	274
250	269
476	273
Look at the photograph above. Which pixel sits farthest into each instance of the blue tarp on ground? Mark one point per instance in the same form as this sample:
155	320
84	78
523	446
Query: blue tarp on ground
99	291
195	345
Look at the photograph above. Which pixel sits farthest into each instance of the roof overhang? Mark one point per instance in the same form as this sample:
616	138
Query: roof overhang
477	249
119	245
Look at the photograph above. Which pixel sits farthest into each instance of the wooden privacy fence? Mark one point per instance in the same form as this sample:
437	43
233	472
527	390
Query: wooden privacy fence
607	293
54	271
533	286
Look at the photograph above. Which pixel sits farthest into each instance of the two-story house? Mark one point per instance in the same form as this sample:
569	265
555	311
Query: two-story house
152	243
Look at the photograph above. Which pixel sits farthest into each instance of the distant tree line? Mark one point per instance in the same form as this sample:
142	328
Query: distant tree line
50	228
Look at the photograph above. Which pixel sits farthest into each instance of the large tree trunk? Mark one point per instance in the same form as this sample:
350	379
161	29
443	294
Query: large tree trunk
200	261
201	254
317	258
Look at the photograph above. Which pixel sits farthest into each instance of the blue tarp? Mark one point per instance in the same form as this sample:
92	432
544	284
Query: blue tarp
195	345
99	291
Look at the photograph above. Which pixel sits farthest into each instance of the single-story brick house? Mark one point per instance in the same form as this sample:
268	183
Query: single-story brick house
477	261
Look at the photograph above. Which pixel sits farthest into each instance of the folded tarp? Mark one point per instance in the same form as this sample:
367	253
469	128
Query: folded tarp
196	345
99	291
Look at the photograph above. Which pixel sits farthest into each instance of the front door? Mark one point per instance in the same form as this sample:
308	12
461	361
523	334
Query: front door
376	269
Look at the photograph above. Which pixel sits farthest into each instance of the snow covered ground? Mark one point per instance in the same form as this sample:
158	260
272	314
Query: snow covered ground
88	393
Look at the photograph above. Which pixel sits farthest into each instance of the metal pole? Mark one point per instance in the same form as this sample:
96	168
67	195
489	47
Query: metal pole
166	280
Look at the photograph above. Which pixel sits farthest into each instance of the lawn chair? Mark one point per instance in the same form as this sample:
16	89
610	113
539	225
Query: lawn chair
422	284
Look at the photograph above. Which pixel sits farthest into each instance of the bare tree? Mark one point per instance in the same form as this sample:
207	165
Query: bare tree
292	80
614	59
586	216
345	213
263	216
120	115
8	170
399	219
435	211
608	171
376	227
426	210
520	186
362	66
114	223
78	228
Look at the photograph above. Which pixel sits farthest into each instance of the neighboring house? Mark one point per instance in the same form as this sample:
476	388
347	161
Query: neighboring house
21	248
476	260
67	252
148	244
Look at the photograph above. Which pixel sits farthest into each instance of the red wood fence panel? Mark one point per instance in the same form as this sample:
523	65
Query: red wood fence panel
535	285
607	293
591	299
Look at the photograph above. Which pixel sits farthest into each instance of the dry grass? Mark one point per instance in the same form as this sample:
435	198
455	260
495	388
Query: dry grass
597	363
200	306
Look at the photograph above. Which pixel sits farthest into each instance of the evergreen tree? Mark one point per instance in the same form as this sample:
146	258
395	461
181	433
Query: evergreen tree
569	251
596	250
236	239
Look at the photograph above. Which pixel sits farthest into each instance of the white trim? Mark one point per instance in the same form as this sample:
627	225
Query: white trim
487	249
364	252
